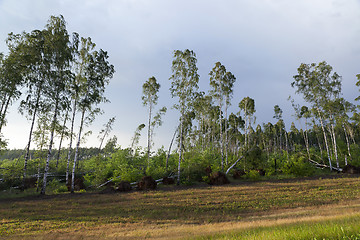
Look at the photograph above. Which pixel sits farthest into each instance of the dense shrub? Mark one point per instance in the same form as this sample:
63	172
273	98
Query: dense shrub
253	175
298	165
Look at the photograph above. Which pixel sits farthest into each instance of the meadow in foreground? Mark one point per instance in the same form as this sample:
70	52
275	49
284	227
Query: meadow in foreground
290	209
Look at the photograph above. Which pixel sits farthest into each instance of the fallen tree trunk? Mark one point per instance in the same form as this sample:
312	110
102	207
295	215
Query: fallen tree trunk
108	182
320	165
227	171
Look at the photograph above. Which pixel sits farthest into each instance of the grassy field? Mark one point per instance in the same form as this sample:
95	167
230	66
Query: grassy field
286	209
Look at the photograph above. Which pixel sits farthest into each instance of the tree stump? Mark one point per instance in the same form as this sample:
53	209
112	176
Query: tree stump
147	183
238	174
78	184
351	169
168	181
123	186
218	178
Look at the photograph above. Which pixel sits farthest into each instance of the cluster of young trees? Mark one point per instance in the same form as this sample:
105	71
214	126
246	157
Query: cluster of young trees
63	76
331	122
58	75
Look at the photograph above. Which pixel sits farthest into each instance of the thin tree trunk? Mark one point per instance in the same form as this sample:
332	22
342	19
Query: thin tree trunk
41	155
226	135
335	145
280	141
3	114
71	139
306	139
320	147
221	140
31	131
246	128
38	176
286	145
347	143
61	139
351	133
28	147
149	135
3	101
77	151
180	148
228	170
50	146
307	143
102	140
325	139
169	151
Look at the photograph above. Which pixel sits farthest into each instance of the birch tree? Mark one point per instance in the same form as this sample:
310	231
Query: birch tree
318	85
183	86
106	131
247	106
97	74
59	56
222	83
150	97
135	139
78	68
37	81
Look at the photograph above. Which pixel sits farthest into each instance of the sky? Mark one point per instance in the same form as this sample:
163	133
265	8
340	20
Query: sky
262	42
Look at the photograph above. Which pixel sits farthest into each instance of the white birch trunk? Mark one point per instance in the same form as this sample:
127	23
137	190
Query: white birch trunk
149	134
77	151
30	134
347	144
221	138
180	149
61	139
226	135
71	139
43	189
325	140
169	151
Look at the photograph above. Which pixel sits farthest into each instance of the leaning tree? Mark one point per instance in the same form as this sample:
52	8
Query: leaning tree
319	85
95	76
58	56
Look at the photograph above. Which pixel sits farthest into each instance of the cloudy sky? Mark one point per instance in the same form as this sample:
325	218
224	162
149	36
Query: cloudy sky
262	42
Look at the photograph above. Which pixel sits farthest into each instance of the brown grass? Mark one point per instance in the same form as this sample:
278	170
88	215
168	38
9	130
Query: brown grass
169	213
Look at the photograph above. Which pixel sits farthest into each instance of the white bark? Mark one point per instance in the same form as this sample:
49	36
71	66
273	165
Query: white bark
227	171
347	144
70	144
77	151
169	151
43	189
325	139
180	149
149	133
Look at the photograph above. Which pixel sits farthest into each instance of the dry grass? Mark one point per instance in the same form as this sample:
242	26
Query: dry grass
182	213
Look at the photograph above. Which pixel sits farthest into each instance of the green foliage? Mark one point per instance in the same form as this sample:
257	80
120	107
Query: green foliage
195	163
253	175
255	158
298	166
120	164
157	165
57	187
355	154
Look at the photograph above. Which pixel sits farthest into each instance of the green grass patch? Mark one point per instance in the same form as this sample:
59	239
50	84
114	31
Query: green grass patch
342	228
